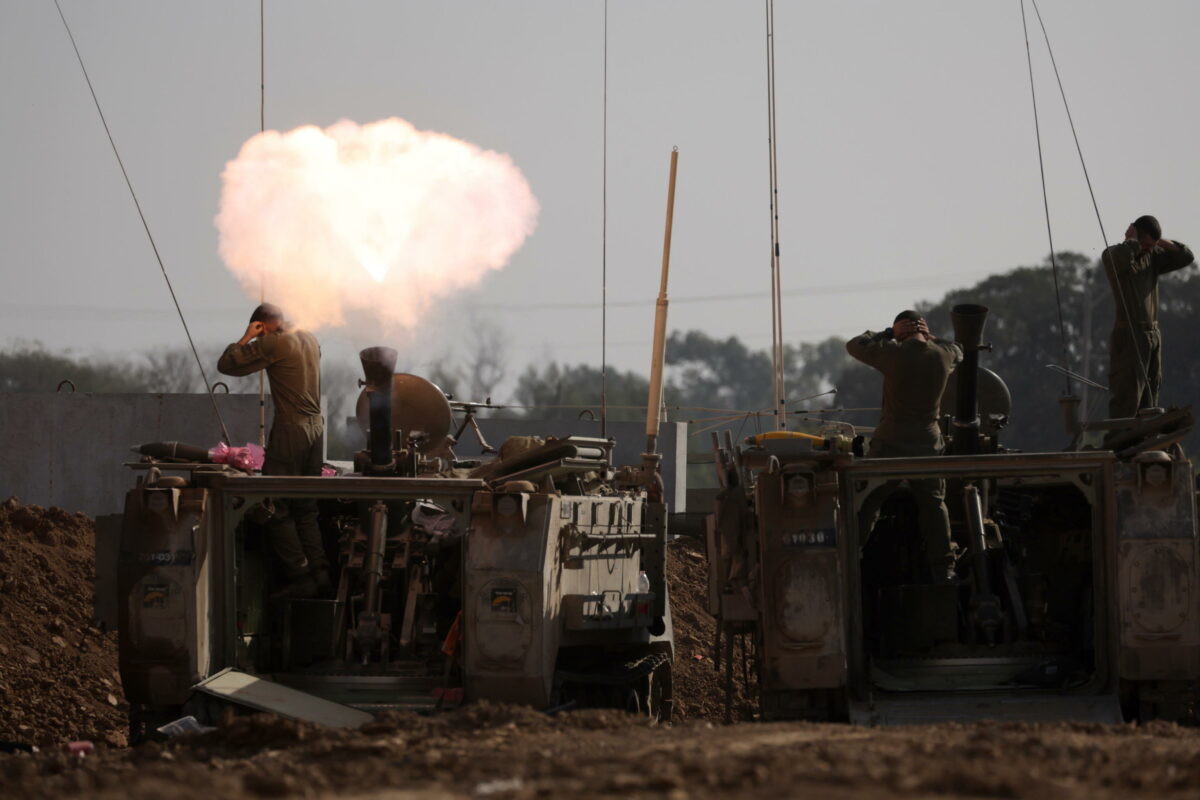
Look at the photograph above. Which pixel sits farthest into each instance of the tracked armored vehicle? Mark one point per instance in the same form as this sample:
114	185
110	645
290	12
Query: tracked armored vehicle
1078	588
535	577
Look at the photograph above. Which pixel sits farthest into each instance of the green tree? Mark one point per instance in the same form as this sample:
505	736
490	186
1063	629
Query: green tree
559	391
1023	329
28	367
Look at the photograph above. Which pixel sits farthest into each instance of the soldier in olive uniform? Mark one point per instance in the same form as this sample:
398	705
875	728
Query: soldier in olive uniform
1135	348
915	367
292	359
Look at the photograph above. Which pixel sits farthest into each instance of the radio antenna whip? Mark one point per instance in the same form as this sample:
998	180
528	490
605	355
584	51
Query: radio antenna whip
207	386
779	394
604	246
262	279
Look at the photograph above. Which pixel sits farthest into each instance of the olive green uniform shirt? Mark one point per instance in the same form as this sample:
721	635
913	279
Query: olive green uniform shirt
914	377
292	359
1133	276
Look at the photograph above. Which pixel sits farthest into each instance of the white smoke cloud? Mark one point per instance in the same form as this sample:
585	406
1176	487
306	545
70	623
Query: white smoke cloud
380	217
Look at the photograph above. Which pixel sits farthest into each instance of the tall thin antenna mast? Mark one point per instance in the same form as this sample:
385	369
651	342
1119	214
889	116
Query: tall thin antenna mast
262	126
604	247
778	391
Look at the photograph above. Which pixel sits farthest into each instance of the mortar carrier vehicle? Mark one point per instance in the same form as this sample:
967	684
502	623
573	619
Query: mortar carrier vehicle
536	578
1078	581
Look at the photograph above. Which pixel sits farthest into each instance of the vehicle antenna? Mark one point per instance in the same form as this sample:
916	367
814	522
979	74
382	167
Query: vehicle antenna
262	279
778	391
604	245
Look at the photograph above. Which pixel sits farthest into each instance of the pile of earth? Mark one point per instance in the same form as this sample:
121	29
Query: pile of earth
699	687
58	672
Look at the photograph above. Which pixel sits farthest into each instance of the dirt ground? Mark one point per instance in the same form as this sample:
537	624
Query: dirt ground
699	687
58	673
507	752
55	692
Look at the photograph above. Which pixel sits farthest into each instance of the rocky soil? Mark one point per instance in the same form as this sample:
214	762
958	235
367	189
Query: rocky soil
58	673
58	682
508	752
699	686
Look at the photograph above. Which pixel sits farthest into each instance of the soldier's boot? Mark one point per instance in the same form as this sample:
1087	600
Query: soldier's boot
944	571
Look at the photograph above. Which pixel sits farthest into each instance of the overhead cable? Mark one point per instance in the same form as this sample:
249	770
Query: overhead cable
145	225
1062	330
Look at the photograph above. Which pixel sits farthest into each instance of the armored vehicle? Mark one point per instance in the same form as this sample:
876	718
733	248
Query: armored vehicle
1078	580
535	577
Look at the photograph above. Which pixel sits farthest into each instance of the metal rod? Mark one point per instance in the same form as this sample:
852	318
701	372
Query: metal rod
604	245
778	388
262	126
373	568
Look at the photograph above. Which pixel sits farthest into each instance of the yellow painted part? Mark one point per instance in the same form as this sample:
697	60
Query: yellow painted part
762	437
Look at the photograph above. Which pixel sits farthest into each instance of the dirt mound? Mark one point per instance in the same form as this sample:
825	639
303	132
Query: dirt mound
699	687
58	673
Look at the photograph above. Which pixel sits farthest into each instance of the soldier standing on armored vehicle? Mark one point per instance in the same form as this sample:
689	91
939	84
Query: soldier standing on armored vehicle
1135	347
292	359
915	367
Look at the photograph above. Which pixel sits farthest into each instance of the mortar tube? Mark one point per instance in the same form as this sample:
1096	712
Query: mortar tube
968	321
379	366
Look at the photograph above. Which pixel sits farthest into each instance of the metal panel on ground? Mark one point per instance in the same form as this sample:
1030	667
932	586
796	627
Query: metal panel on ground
247	690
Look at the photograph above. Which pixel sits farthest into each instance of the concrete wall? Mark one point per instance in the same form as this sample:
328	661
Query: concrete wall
67	449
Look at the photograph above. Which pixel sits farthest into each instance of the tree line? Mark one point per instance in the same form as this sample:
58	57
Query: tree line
1023	330
706	372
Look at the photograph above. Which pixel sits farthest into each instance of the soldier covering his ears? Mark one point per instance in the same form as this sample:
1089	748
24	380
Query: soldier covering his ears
916	366
292	359
1135	347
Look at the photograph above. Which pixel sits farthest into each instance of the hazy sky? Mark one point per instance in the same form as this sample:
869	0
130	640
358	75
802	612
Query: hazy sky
907	159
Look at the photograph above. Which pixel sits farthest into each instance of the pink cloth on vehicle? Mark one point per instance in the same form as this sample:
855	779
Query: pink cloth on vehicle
248	458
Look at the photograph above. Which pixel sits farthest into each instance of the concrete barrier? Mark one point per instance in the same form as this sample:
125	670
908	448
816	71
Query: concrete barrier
67	449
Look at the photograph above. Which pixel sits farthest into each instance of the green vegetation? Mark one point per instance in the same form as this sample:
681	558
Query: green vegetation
709	373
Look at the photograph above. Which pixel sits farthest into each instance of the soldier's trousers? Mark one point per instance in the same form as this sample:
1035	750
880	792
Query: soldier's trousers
932	517
1133	385
930	497
295	448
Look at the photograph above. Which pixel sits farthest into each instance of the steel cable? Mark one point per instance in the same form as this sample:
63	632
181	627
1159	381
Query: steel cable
1062	330
1087	178
145	225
